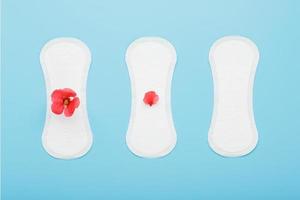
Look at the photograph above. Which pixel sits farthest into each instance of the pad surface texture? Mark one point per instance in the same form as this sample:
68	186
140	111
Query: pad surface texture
233	61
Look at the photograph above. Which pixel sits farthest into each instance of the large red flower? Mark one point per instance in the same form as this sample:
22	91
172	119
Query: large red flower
64	101
151	98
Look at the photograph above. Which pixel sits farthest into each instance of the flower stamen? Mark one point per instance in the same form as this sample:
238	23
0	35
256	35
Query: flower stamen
66	101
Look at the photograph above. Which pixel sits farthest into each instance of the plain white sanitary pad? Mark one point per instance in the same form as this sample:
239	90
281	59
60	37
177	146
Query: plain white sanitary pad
151	62
233	62
65	62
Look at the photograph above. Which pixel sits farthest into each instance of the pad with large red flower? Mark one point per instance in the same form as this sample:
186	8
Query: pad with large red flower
64	101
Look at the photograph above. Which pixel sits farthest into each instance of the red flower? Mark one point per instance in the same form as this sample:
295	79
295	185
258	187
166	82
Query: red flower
151	98
64	100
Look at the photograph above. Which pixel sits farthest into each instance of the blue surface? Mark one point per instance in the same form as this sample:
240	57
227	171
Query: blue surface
110	170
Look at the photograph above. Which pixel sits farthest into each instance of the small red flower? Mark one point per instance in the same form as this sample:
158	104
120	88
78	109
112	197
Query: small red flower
64	100
151	98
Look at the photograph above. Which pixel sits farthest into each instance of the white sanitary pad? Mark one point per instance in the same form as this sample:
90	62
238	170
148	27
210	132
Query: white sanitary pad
151	62
233	62
65	62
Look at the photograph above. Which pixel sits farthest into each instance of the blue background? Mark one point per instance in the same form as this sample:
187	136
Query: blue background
110	170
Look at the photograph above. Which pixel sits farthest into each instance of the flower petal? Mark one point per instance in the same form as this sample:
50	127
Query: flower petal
76	102
69	110
57	96
57	108
67	92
